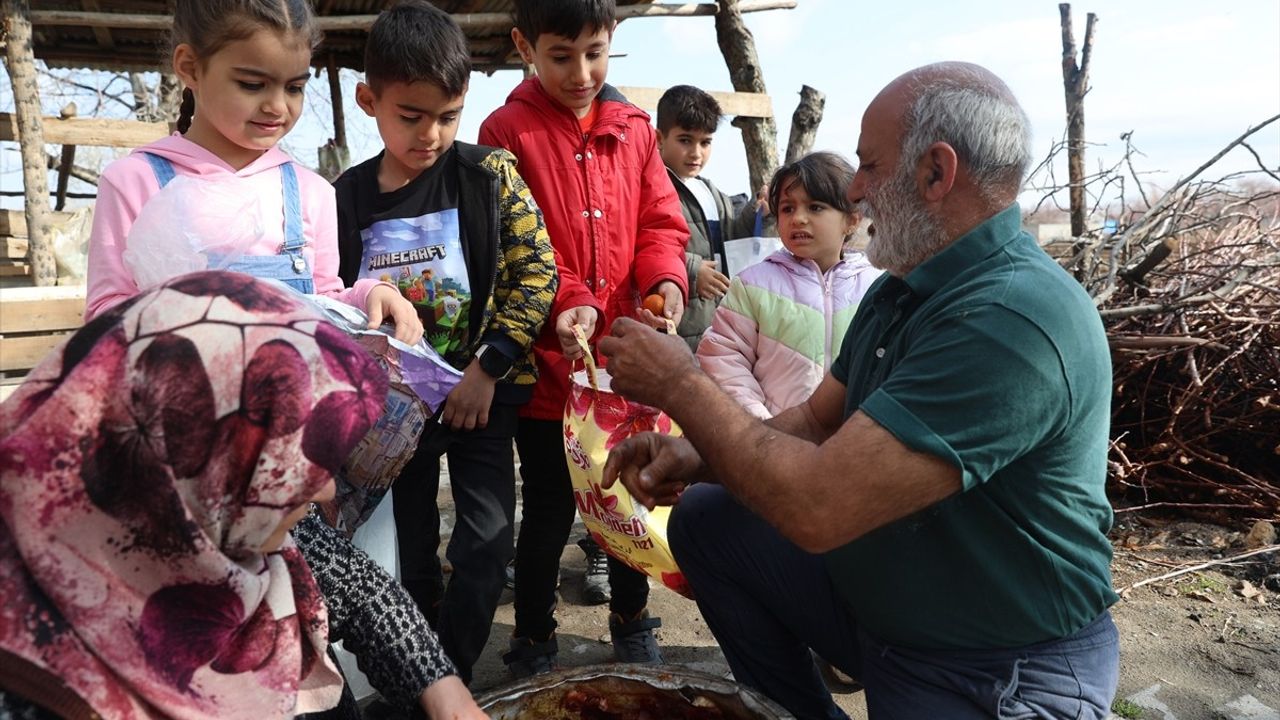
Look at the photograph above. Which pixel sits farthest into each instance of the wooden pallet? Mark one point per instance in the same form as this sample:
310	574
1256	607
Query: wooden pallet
33	321
13	223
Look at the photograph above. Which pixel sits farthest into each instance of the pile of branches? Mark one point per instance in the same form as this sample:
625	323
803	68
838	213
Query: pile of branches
1189	292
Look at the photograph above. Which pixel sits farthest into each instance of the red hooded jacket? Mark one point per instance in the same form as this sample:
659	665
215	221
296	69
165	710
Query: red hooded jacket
613	216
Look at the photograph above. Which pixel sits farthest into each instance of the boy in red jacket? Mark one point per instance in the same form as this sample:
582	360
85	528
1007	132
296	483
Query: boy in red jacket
591	160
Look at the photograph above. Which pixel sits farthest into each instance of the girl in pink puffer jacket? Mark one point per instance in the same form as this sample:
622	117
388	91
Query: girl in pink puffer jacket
781	324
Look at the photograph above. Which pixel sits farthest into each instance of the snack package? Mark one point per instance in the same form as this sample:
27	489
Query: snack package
420	380
595	420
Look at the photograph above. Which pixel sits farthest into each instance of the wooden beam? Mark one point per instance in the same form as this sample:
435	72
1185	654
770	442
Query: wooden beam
12	248
54	309
101	33
13	223
89	131
26	351
21	66
467	21
731	103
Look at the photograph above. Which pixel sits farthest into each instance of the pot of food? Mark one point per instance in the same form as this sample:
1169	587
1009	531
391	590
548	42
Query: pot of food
628	692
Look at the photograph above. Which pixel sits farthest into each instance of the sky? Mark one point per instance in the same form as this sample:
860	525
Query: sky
1185	77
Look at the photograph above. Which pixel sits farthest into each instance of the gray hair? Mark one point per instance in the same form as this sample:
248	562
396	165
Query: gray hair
982	121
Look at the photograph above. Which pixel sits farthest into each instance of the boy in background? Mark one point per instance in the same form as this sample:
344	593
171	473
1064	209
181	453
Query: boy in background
459	218
591	160
687	120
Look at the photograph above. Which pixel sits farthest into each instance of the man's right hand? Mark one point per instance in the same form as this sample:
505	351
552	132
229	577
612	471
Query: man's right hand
654	468
584	316
711	284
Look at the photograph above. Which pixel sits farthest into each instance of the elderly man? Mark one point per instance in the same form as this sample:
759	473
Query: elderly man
932	520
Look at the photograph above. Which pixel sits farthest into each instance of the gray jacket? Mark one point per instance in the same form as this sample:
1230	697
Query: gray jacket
698	314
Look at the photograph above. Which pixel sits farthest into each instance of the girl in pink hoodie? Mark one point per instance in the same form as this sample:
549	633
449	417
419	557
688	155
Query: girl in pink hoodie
781	324
244	65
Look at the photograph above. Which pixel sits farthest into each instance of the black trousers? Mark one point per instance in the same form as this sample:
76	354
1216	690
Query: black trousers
548	509
482	480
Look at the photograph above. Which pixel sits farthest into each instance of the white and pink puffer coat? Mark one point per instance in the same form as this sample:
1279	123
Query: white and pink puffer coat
780	327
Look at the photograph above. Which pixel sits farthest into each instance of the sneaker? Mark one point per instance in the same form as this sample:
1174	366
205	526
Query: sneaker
510	576
633	640
595	585
528	658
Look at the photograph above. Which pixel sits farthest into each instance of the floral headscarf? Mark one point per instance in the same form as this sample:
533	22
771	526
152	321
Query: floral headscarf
143	466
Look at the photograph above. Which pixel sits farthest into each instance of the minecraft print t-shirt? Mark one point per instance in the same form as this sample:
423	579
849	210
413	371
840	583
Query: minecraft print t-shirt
414	241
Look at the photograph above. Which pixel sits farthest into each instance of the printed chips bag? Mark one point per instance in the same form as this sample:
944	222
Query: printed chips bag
595	420
419	383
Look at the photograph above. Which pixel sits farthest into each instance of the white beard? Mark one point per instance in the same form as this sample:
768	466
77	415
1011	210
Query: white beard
905	234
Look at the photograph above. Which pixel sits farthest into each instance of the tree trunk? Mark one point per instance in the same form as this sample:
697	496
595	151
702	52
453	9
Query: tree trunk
804	123
169	99
1075	83
759	135
26	101
158	104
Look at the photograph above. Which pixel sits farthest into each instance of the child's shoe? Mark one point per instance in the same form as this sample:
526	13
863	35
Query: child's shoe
595	585
633	640
528	658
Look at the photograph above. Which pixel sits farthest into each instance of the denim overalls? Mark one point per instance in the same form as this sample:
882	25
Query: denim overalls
289	266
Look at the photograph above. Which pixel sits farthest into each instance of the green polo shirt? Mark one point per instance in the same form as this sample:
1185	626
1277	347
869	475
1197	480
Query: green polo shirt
991	357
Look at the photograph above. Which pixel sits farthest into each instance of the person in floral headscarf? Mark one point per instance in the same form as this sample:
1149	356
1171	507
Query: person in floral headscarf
150	471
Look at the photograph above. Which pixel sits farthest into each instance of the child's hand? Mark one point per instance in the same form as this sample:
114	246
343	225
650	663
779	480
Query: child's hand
467	407
386	301
583	316
712	284
672	306
762	199
449	699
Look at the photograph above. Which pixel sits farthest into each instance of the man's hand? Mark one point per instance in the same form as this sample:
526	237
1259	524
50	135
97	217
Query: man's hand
467	407
672	306
449	699
644	364
654	468
711	284
584	316
385	301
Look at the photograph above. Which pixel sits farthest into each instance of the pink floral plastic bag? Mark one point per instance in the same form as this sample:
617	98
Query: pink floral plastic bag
595	420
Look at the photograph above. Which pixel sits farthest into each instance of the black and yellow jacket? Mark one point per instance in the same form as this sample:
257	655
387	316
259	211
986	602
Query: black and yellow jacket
509	256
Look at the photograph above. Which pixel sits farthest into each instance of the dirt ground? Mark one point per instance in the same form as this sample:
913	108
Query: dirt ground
1204	644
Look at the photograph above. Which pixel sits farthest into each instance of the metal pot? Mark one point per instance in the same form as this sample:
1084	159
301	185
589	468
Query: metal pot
628	692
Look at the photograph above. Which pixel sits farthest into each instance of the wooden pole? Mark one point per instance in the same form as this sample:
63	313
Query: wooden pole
804	123
759	135
20	61
67	162
335	97
1075	84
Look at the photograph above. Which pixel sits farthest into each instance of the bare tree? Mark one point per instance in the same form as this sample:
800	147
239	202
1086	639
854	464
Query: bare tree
759	135
1075	83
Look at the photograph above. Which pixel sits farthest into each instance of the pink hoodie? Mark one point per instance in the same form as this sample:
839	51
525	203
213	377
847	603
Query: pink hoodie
128	183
